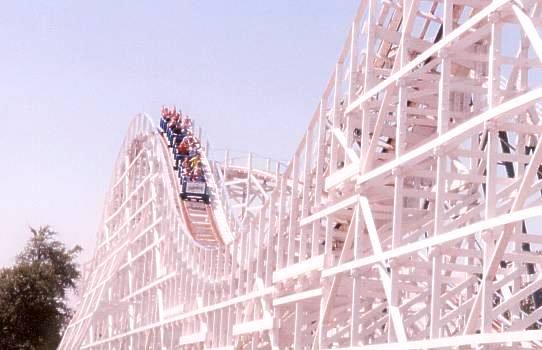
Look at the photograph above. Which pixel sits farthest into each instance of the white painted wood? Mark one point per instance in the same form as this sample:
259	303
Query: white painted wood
398	223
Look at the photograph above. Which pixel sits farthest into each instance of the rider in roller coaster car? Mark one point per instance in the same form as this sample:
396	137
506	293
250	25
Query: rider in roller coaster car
187	122
197	174
185	174
195	161
182	151
166	117
186	169
186	125
177	130
172	127
183	148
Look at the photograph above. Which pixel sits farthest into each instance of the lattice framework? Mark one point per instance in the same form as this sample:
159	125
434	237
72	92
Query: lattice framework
407	218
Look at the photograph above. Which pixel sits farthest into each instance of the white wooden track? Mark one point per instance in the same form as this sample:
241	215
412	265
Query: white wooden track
409	217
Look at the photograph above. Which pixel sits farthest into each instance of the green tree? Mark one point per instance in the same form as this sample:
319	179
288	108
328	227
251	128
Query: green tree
33	293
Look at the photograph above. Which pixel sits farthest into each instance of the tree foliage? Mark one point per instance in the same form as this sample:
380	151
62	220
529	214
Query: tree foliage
33	293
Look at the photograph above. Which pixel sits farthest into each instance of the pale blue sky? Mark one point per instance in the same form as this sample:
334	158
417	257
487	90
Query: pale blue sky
73	74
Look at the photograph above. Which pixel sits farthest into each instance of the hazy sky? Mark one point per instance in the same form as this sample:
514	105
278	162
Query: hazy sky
74	73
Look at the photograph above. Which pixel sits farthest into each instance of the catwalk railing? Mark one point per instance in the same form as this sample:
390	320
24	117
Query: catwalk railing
407	217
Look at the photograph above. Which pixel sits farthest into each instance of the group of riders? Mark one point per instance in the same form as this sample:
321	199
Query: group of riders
186	147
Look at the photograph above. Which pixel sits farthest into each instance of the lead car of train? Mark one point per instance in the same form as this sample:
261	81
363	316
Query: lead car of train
191	190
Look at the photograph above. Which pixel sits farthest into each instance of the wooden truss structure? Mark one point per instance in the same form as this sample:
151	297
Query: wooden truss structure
408	218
